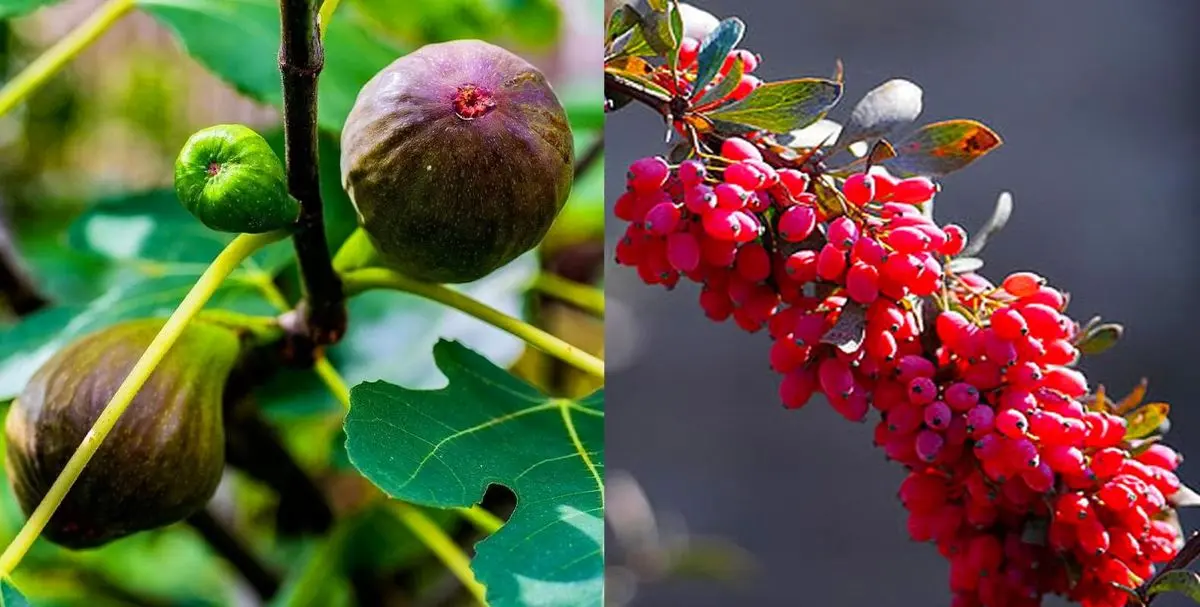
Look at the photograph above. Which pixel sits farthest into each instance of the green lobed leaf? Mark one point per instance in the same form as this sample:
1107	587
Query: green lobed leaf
941	148
444	448
393	334
10	596
152	231
238	40
1181	581
882	110
781	107
714	48
16	8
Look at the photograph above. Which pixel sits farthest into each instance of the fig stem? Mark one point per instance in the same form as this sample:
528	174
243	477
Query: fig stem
326	15
380	278
483	520
583	296
225	263
332	380
61	53
442	546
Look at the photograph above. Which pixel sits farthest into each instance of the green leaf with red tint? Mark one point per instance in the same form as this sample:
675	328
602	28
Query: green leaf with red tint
726	86
941	148
1144	421
1181	581
782	107
715	47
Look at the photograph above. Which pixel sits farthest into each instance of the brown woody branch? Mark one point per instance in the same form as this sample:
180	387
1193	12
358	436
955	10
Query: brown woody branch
300	61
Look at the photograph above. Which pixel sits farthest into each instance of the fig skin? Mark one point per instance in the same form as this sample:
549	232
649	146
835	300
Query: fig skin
163	459
229	178
458	158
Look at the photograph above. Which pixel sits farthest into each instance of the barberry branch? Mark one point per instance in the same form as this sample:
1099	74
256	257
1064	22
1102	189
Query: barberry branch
1187	555
301	58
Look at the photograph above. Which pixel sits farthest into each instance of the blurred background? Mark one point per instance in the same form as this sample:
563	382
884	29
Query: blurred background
1095	102
104	134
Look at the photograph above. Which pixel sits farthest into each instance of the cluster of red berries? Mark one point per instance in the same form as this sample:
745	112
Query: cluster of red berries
1026	481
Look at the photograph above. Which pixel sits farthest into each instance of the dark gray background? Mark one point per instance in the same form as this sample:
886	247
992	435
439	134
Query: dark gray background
1096	103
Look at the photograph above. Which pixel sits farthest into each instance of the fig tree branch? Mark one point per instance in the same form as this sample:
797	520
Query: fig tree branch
301	58
264	582
589	157
16	287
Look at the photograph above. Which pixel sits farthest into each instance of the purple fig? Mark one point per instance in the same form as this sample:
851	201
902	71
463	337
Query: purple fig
458	157
163	459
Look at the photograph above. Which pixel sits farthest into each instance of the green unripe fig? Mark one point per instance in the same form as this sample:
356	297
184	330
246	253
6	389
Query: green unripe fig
229	178
163	459
458	157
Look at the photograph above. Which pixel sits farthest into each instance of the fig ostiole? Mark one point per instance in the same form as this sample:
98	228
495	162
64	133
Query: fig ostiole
458	158
163	459
229	178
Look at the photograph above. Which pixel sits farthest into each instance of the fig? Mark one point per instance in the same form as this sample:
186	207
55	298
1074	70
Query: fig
229	178
458	158
163	459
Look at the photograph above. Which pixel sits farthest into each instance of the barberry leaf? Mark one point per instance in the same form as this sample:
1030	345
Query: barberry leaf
713	50
10	596
782	107
1133	399
941	148
1182	581
630	72
16	8
661	26
964	265
238	40
443	448
881	111
1100	338
619	22
726	86
625	39
1185	497
995	223
1145	420
848	332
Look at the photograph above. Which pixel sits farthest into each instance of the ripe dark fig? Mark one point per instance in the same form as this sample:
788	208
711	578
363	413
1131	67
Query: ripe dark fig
458	157
164	457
